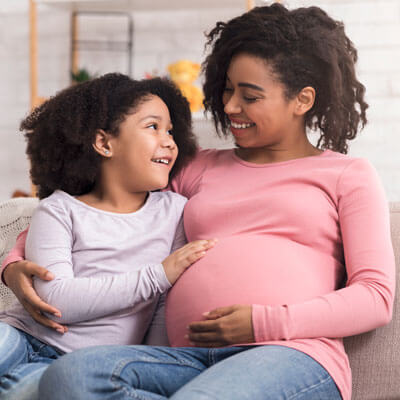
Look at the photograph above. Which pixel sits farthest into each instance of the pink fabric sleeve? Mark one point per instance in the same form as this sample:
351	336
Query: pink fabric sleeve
17	253
367	300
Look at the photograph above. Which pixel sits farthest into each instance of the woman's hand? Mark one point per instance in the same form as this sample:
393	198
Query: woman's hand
223	326
18	277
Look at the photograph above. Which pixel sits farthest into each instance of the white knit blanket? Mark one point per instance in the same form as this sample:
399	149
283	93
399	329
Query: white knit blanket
15	215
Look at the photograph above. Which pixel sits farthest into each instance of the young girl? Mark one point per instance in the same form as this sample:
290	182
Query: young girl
99	150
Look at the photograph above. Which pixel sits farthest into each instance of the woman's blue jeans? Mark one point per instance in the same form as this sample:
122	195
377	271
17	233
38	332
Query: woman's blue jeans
23	359
187	373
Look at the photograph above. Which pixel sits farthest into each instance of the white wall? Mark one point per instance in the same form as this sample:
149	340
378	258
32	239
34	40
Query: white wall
165	36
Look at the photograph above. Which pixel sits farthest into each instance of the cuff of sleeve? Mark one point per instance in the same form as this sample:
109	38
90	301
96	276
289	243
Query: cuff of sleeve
7	261
161	278
270	323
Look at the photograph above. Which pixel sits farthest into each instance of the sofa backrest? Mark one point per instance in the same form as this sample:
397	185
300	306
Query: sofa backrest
375	356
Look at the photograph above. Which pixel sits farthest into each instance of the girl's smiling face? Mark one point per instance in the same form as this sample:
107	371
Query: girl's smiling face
260	114
144	151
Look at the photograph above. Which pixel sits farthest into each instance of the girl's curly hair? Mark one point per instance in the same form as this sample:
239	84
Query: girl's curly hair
305	47
61	131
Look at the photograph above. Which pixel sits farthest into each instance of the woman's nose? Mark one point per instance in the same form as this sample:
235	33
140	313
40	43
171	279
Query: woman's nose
232	105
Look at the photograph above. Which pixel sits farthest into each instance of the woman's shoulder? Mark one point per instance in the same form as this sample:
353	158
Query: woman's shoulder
205	159
346	164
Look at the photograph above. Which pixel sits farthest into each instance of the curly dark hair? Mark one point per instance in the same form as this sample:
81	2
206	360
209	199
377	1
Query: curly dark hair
61	131
304	47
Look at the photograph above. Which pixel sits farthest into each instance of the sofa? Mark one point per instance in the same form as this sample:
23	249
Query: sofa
374	356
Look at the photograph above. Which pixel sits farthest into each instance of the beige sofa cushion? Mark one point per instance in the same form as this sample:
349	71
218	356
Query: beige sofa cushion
375	356
15	215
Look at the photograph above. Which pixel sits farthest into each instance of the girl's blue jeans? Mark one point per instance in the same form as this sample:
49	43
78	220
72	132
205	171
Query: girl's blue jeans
23	359
187	373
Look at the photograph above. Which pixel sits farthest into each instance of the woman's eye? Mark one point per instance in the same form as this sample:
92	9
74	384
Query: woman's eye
249	99
169	131
152	126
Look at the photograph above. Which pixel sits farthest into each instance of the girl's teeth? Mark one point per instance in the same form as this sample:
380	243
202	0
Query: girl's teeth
240	126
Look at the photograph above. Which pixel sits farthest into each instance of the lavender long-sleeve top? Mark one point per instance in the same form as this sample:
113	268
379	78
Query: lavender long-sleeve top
107	267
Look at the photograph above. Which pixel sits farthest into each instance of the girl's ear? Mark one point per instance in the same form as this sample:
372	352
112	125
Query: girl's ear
305	100
102	144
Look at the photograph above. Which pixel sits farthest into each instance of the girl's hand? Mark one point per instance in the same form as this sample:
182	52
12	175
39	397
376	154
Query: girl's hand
223	326
179	260
18	276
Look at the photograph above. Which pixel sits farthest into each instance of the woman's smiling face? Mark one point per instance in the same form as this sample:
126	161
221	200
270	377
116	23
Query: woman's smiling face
255	102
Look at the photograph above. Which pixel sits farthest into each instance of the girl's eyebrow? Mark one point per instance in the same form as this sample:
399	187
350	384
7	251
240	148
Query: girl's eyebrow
157	117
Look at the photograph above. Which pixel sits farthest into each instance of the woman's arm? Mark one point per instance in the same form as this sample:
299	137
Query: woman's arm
17	253
364	304
367	300
17	274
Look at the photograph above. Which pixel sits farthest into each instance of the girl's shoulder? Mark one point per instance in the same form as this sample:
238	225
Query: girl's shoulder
58	199
169	199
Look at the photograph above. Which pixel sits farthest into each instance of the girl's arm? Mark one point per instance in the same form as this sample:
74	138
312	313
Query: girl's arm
49	243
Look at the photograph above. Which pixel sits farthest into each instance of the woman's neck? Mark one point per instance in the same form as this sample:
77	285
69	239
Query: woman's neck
278	153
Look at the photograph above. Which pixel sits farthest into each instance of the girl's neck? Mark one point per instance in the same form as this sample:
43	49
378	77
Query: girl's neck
115	200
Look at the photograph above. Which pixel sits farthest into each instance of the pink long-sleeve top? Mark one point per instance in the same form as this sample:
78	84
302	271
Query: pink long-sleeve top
306	242
289	234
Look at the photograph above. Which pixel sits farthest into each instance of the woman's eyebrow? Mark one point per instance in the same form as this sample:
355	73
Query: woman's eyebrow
251	86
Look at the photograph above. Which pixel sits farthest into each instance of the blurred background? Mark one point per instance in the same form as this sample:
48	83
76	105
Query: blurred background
42	41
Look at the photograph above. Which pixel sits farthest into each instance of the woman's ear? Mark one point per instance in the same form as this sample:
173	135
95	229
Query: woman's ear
305	100
102	144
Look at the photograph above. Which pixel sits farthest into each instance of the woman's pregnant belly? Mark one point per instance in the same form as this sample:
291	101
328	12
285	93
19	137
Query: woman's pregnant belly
248	269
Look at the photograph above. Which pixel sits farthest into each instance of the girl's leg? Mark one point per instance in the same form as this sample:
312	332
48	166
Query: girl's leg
23	359
262	373
122	372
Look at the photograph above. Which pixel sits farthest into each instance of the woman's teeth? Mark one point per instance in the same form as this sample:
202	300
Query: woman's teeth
161	160
241	126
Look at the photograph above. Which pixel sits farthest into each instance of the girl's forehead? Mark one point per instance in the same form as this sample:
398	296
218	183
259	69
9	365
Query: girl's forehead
151	106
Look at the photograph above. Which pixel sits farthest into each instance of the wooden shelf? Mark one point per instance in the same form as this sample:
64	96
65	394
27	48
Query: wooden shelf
145	5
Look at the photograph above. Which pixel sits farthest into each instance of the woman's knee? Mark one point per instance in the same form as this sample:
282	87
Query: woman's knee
78	374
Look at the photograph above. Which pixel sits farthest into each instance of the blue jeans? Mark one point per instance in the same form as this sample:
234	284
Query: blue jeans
23	359
187	373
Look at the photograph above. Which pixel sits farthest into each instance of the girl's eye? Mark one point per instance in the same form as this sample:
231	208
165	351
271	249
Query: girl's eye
170	132
153	126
